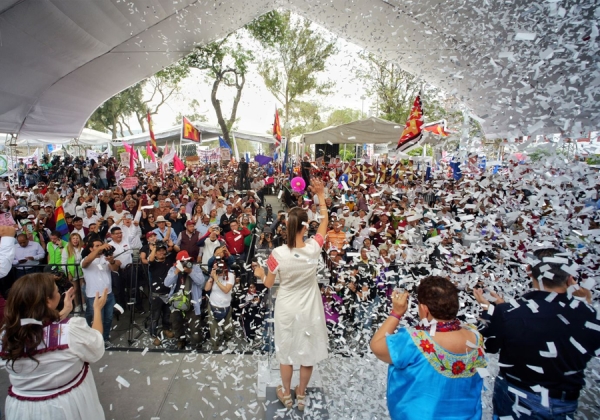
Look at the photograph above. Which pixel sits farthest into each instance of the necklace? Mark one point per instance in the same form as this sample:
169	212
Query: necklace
448	326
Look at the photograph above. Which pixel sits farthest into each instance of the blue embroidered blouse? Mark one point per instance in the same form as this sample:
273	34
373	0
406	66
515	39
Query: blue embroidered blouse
425	381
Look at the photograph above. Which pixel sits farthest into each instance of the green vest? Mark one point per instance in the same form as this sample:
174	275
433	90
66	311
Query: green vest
71	268
55	253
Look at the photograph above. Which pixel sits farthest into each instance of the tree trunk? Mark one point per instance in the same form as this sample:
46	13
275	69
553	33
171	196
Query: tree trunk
217	105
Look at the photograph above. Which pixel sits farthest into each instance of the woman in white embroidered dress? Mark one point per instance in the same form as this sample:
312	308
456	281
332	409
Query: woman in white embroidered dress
300	328
47	355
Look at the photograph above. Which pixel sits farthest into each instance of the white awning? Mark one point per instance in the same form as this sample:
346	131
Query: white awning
521	67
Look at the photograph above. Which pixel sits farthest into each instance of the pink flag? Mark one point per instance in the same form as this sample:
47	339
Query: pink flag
129	149
166	151
178	164
131	162
150	152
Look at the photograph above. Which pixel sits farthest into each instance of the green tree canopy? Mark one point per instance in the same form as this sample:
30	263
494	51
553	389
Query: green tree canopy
226	63
296	56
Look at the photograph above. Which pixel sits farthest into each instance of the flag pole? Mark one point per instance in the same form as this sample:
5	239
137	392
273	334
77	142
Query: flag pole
235	147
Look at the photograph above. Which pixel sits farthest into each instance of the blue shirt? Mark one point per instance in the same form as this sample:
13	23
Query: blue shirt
425	381
160	235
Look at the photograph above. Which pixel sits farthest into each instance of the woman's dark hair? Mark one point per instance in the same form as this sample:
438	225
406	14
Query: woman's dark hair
440	295
296	217
28	298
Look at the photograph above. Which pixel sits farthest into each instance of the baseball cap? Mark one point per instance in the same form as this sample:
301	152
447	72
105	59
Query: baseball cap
182	256
346	208
351	199
22	209
149	234
189	222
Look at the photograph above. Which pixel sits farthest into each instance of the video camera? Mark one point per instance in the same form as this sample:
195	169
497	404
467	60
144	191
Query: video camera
108	252
161	244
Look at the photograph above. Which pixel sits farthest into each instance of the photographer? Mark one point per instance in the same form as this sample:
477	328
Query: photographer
186	281
219	285
97	270
251	312
159	265
266	239
235	240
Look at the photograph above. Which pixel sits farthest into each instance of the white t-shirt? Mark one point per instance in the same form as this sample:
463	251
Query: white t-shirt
97	277
87	221
217	297
123	251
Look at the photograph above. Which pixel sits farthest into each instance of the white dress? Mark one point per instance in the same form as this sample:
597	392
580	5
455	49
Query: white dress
62	376
300	329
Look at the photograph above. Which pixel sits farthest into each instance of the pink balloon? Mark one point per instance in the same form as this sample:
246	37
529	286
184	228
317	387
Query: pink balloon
298	184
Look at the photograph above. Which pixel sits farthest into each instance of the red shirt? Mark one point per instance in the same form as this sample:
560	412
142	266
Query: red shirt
235	241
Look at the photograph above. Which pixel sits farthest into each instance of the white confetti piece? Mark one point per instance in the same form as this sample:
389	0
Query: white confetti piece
552	352
122	381
578	346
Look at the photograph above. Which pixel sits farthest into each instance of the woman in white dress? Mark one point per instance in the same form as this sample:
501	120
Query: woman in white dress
300	328
47	355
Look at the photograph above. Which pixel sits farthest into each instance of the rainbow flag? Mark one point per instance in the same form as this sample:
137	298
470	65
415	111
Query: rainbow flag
61	223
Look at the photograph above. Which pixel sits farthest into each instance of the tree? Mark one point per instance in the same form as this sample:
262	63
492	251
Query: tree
226	63
194	113
162	86
113	115
395	90
343	116
296	55
304	117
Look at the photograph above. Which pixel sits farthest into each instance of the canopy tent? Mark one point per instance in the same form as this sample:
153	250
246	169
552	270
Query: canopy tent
371	130
209	133
521	67
88	137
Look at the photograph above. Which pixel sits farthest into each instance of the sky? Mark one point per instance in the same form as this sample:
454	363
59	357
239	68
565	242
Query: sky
257	105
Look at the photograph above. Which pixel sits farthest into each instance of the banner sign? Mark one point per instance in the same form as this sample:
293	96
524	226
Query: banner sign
91	154
125	159
129	183
225	154
150	166
210	155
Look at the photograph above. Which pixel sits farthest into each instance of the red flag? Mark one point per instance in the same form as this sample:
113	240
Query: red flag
154	148
129	149
189	132
413	129
178	164
277	129
438	127
150	152
131	159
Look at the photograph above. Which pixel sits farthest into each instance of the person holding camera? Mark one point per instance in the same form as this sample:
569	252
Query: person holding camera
219	285
210	242
159	265
266	239
235	240
97	267
186	281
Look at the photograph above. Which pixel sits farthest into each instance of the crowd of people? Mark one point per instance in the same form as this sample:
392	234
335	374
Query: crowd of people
203	236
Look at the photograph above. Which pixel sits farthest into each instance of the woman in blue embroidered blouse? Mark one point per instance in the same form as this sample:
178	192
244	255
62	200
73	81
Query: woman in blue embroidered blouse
433	372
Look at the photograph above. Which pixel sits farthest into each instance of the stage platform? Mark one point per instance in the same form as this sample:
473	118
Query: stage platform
174	386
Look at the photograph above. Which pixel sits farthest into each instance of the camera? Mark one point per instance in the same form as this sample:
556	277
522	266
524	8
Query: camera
108	252
187	264
161	244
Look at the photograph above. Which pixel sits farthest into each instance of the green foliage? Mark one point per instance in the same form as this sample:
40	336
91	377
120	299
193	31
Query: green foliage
225	63
347	154
296	56
539	154
113	115
593	160
193	114
395	90
304	117
418	151
343	116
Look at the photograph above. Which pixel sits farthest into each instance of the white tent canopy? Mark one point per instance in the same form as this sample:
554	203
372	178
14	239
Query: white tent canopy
521	67
371	130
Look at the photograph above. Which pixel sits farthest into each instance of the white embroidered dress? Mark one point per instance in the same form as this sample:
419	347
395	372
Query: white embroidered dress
300	329
62	386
